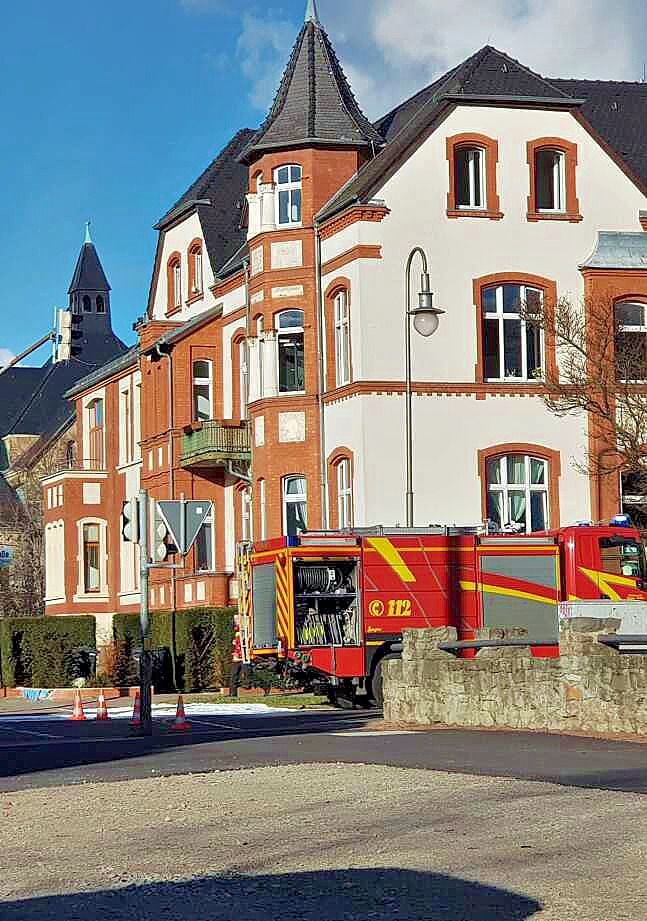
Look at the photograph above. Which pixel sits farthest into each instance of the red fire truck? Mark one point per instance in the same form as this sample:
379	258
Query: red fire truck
334	604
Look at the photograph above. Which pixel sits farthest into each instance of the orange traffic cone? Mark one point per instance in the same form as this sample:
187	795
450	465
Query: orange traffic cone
180	723
77	713
137	711
102	709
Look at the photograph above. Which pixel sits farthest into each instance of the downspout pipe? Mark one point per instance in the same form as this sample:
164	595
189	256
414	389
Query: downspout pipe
321	383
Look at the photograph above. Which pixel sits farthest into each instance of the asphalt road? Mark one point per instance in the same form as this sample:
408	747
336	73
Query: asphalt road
41	753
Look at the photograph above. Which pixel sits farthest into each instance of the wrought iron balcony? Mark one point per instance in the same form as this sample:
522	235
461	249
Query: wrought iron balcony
212	444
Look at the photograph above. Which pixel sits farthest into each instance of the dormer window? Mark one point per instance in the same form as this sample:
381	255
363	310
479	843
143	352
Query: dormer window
550	180
469	175
195	268
174	283
287	180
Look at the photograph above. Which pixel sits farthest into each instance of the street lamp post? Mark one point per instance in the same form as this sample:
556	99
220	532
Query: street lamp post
425	322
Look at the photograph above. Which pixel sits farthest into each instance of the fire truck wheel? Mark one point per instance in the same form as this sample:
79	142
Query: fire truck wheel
377	680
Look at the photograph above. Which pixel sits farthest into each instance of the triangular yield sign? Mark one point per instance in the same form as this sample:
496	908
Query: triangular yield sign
196	513
171	513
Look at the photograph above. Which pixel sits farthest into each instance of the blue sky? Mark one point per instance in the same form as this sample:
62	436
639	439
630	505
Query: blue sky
110	108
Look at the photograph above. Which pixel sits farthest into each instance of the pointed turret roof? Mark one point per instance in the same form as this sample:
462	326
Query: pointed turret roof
314	104
88	274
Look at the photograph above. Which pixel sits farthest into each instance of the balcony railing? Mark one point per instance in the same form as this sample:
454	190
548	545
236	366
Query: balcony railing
211	444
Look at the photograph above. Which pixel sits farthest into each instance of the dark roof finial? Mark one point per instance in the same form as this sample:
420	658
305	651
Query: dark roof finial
311	12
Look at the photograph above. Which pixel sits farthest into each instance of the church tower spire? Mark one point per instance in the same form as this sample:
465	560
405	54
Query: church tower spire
89	290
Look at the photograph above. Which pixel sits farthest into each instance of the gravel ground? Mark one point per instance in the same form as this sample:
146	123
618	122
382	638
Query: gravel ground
332	843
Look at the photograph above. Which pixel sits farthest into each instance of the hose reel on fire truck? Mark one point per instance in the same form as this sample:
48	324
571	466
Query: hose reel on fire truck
326	610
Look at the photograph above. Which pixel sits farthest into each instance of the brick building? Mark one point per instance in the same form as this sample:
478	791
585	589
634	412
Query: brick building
269	372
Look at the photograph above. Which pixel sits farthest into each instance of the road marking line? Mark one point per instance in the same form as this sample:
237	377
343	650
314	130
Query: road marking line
358	733
31	732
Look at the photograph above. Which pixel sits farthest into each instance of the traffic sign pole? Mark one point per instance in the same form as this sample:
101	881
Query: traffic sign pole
145	661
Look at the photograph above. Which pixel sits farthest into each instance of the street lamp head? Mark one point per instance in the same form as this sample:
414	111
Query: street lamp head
425	315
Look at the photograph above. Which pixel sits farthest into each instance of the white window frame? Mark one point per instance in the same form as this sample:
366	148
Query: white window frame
290	187
246	519
472	167
209	522
88	401
201	382
137	416
198	281
342	338
292	498
559	180
283	333
102	594
261	360
344	493
177	283
243	361
55	591
503	317
527	487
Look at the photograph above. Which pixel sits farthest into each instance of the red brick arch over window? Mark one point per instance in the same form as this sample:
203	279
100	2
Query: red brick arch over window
338	455
174	260
514	447
336	285
237	341
549	289
572	212
491	148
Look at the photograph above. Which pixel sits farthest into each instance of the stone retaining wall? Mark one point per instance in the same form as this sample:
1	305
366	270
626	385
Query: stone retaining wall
589	687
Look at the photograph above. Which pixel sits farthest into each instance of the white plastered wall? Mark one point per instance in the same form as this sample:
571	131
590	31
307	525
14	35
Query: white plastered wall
178	239
449	431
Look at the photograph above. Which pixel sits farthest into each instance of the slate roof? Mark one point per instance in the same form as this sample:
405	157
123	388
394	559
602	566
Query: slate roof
314	103
88	274
618	112
217	195
103	372
618	250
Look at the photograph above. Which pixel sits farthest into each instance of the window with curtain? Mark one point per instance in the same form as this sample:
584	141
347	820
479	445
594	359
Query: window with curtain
287	180
91	565
344	494
291	360
517	486
631	341
469	172
513	346
295	505
342	339
202	391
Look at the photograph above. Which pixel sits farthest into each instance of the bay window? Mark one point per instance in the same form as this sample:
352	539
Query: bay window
291	361
287	180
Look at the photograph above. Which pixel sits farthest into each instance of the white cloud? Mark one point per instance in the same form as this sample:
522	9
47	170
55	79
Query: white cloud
263	50
5	357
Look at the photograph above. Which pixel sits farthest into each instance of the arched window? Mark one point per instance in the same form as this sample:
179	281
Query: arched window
469	178
517	492
631	340
195	268
174	283
287	180
513	346
340	488
202	390
243	377
295	505
87	304
291	360
96	439
101	306
553	163
342	338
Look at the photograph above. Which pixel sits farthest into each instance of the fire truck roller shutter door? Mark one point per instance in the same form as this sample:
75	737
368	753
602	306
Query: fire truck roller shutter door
264	606
521	591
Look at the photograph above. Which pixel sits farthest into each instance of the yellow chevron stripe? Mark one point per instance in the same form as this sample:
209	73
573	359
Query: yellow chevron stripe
392	556
605	582
508	592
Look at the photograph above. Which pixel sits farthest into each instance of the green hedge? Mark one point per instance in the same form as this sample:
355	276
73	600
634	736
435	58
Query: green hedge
44	651
192	648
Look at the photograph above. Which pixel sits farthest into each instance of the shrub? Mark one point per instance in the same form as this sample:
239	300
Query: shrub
45	651
203	638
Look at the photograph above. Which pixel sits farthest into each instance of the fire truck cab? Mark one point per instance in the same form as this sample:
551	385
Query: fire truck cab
333	605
